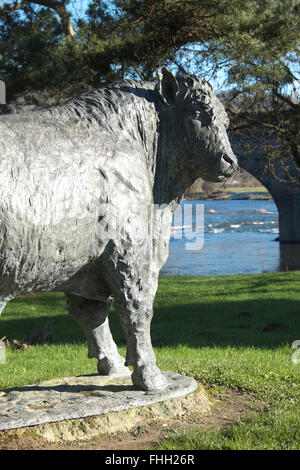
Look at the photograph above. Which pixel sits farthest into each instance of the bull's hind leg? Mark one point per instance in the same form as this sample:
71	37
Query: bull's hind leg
92	317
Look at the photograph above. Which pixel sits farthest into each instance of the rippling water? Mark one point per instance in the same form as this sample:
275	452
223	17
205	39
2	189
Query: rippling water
238	237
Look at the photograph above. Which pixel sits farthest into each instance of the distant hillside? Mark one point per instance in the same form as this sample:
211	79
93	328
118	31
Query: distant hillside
241	180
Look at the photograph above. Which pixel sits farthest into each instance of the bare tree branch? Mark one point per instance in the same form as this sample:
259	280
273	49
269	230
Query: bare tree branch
61	10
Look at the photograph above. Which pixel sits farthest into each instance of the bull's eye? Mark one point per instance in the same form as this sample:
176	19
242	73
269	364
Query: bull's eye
193	127
196	115
204	119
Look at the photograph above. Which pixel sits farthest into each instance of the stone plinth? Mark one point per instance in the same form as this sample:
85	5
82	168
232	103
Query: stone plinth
74	398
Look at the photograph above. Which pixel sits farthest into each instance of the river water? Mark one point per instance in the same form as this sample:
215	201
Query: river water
227	237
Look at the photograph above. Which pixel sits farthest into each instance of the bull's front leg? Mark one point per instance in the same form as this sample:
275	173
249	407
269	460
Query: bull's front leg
92	317
135	316
130	266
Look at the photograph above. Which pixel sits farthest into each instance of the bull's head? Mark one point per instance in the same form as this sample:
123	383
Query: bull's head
197	127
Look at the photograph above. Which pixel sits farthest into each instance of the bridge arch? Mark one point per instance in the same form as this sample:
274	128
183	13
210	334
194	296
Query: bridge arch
281	177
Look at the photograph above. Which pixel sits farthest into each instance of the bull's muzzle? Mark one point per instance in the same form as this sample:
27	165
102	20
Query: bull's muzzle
232	162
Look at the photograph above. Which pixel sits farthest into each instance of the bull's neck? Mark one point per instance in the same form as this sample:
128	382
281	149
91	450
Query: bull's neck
171	178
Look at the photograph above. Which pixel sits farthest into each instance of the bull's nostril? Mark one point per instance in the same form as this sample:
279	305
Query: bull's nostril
228	160
231	162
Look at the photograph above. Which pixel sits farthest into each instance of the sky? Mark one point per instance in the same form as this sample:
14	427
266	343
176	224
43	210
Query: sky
78	7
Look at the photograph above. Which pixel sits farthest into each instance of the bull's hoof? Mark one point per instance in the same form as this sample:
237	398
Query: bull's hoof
148	378
108	367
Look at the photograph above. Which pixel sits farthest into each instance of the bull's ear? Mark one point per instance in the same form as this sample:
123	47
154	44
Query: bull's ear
167	86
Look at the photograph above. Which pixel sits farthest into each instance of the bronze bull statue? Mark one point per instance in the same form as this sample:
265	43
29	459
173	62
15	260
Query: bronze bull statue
87	193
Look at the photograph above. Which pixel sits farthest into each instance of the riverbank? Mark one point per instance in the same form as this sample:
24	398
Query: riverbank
229	194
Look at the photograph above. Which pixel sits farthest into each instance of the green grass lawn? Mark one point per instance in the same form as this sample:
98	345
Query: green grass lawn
246	189
217	329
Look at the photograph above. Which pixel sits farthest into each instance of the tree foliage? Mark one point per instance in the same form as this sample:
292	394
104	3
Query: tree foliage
255	43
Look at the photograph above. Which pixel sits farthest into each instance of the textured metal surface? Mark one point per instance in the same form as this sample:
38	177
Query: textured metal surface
86	198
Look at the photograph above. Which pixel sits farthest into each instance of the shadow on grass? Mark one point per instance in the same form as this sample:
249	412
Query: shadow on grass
264	324
252	323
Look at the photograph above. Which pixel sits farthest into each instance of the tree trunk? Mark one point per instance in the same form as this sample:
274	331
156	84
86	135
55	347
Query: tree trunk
62	12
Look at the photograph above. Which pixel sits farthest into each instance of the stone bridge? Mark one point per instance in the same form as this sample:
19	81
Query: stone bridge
281	177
